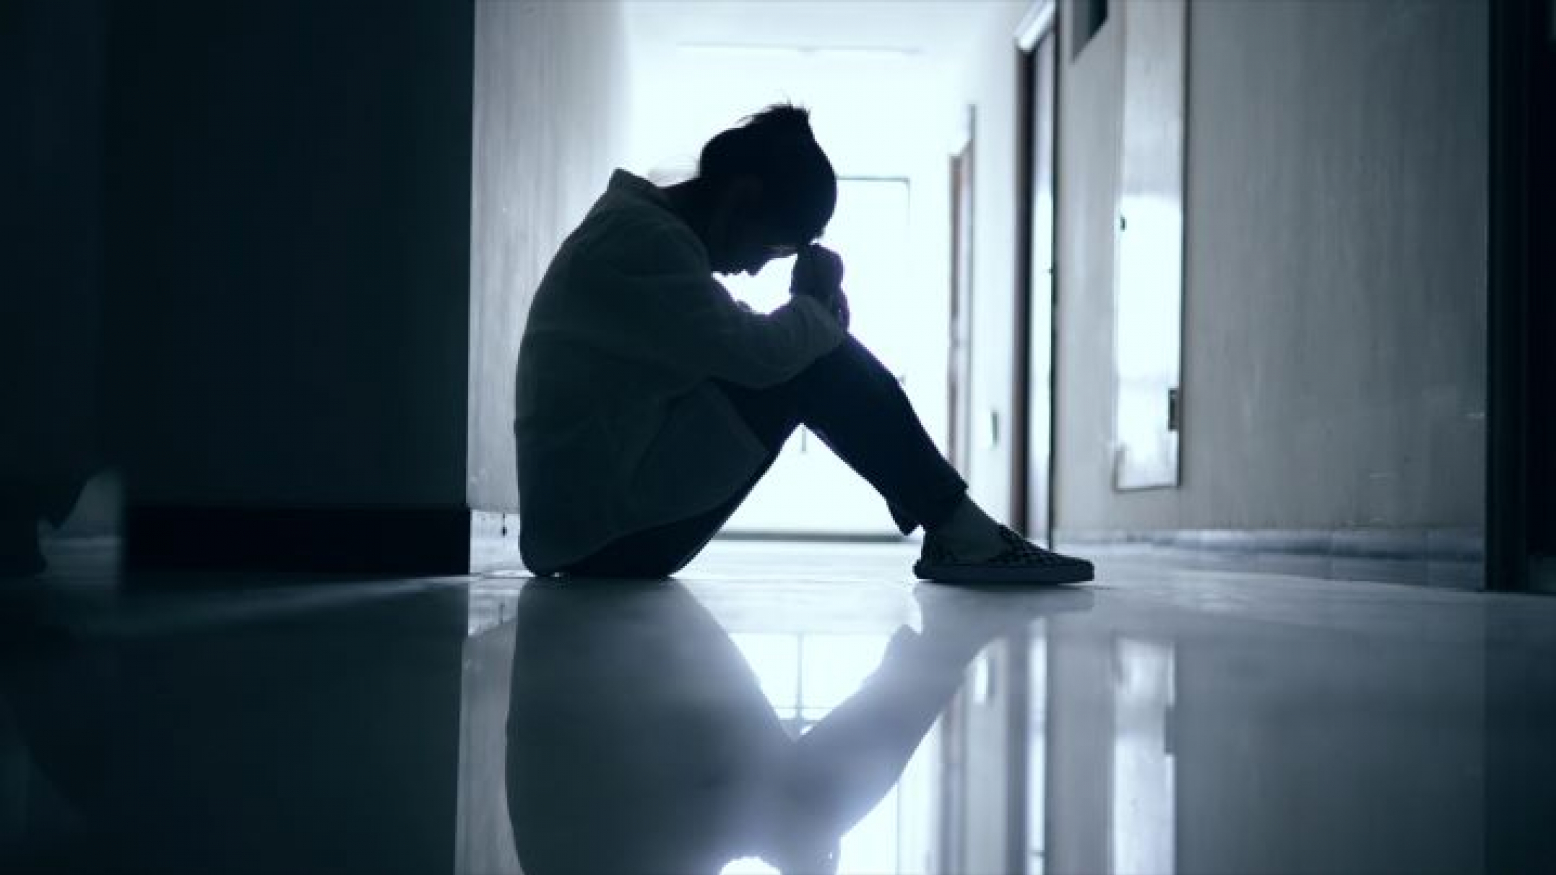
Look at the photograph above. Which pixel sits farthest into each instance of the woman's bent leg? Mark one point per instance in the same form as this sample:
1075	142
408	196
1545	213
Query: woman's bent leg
663	550
854	404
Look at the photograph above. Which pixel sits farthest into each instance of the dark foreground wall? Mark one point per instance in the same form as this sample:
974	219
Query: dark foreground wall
51	74
239	265
287	278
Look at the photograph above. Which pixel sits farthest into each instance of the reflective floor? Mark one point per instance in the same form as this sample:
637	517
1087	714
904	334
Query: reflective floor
780	707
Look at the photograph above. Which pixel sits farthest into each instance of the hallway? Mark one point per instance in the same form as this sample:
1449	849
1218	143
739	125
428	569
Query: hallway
1246	300
1166	719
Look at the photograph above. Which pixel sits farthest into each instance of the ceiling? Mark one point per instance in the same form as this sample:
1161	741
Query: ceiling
877	74
935	28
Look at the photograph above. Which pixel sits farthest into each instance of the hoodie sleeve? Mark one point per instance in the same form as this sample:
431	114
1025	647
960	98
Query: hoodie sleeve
658	302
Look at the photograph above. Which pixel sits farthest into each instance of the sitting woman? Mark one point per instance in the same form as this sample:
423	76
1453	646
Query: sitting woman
650	402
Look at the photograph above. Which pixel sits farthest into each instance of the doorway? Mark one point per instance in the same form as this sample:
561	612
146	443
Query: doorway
872	227
959	372
1036	292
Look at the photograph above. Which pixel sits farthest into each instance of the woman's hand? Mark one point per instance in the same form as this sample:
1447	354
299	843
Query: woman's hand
818	273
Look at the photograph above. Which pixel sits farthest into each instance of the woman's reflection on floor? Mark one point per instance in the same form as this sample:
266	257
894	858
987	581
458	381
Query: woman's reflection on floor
640	740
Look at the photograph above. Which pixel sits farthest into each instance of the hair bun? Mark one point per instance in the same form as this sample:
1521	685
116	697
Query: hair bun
783	118
777	148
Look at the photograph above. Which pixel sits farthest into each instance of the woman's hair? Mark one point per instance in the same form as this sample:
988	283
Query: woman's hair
776	147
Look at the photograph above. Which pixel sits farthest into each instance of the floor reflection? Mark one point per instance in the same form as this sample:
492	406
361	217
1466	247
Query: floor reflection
642	738
754	721
1186	741
1143	762
148	737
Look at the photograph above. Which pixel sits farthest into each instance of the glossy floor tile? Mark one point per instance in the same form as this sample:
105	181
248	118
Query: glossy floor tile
780	707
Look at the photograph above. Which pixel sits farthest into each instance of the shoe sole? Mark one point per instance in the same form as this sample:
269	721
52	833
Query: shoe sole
1014	575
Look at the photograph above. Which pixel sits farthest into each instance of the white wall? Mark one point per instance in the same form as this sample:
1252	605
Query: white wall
551	111
1336	256
988	81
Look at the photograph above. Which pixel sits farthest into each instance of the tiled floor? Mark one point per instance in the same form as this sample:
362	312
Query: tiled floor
792	707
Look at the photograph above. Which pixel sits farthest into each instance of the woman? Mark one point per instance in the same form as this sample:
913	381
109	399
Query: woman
649	402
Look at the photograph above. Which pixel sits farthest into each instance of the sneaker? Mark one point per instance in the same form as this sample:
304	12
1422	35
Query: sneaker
1021	562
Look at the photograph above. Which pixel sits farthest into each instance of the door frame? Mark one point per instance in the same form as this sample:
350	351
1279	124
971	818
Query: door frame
1040	21
1520	513
963	194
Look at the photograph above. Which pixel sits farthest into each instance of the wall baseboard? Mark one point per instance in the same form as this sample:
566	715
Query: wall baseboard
348	540
1451	558
494	542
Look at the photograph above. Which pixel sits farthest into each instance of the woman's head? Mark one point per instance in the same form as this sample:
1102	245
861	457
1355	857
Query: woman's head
770	188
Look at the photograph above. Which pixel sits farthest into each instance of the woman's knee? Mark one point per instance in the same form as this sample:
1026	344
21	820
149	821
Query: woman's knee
850	360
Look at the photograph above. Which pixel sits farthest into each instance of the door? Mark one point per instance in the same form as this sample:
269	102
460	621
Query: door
959	373
1035	294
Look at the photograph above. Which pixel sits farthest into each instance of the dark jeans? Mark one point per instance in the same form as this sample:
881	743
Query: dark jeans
850	401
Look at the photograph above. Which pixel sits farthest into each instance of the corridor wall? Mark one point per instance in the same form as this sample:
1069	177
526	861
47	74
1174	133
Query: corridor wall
551	107
1335	293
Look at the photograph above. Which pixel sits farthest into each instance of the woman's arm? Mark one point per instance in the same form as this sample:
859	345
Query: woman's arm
655	300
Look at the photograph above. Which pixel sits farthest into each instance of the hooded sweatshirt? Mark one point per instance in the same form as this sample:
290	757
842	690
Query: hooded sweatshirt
619	426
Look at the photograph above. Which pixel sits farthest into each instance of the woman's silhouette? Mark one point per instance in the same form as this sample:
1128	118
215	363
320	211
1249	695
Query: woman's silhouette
649	402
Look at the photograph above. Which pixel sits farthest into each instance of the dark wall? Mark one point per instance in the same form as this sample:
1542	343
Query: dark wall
51	72
1542	285
236	268
288	191
1522	362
